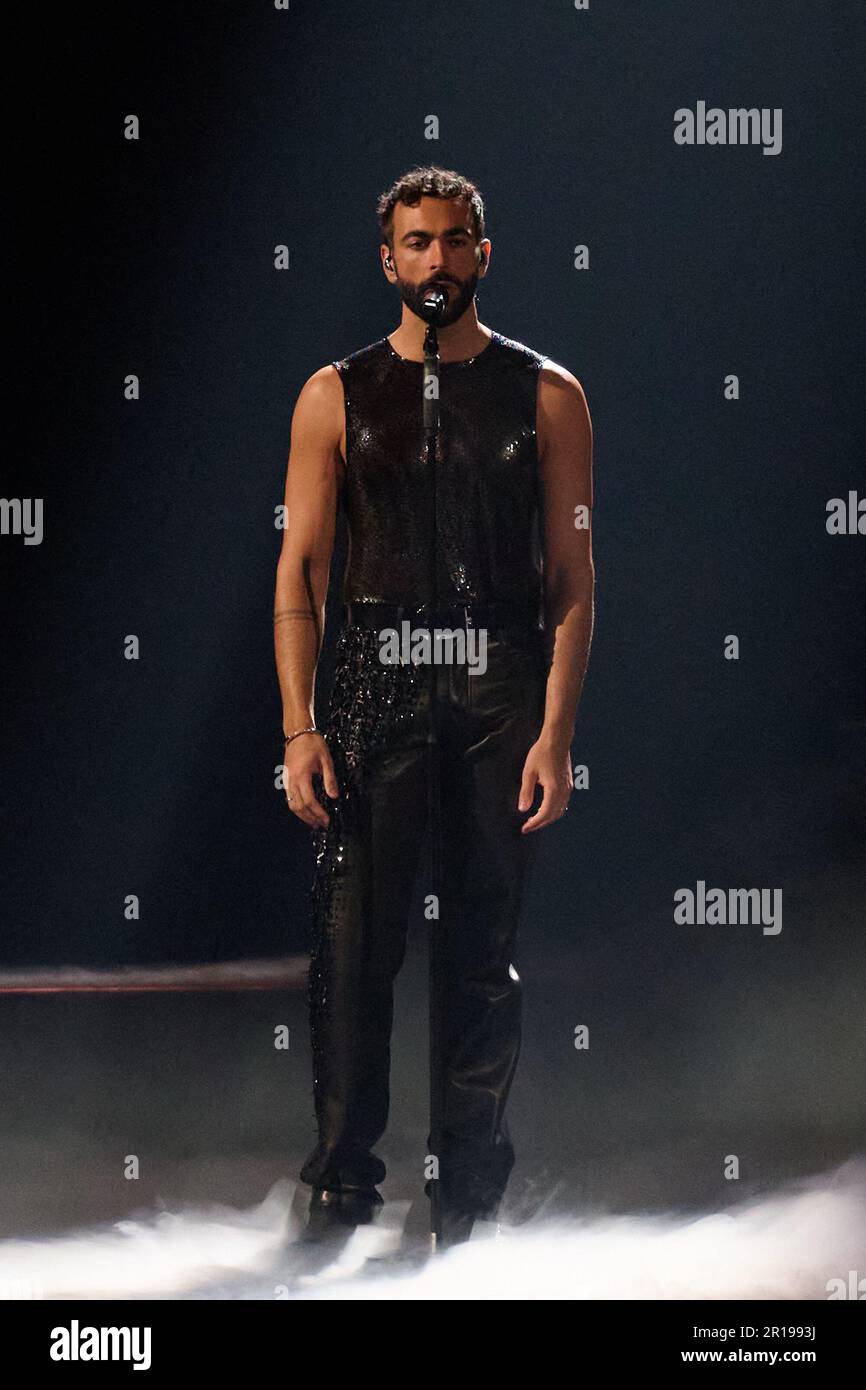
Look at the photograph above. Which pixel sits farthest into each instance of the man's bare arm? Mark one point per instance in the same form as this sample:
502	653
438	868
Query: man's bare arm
308	540
565	459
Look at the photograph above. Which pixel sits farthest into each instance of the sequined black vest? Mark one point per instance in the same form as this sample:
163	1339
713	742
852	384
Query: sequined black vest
487	482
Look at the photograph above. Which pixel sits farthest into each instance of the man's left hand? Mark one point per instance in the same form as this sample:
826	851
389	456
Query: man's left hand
549	767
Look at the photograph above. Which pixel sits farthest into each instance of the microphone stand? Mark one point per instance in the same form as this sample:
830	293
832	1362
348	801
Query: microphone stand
434	304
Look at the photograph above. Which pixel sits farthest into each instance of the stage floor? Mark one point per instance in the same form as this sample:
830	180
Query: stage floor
621	1147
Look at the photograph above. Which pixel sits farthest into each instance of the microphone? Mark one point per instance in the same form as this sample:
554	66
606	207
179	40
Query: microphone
433	306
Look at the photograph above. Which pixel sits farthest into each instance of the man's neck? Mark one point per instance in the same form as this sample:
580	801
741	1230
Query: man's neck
456	342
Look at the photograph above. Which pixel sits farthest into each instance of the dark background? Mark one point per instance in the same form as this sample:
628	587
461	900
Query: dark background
156	777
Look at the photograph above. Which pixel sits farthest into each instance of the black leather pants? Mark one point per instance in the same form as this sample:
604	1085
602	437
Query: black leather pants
366	862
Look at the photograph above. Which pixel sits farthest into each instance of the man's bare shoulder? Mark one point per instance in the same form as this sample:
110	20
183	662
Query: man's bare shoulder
556	381
562	417
324	384
320	402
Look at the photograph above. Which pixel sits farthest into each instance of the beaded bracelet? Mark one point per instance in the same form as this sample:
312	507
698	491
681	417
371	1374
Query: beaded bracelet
288	738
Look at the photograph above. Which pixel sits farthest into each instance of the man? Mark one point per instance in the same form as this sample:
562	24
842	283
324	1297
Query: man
512	555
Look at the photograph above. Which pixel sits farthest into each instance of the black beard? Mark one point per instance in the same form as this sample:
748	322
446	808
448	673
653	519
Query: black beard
413	297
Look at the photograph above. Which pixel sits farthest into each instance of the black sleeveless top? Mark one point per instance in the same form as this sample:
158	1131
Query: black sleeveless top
487	483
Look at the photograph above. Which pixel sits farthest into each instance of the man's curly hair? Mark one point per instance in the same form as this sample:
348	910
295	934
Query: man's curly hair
433	182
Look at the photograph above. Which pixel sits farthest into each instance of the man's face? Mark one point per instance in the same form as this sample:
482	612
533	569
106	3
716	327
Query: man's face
434	246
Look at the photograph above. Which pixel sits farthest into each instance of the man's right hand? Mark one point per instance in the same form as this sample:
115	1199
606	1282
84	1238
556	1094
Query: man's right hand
305	756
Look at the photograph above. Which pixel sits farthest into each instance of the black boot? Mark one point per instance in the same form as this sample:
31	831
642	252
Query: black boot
456	1226
457	1218
332	1208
